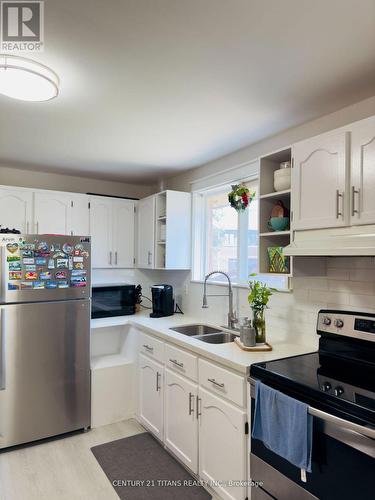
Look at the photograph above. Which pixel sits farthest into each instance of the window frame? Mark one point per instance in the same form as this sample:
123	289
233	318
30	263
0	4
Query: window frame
199	240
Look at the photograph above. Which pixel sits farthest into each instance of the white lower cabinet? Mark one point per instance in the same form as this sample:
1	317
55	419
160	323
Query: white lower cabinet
198	409
222	445
181	424
151	390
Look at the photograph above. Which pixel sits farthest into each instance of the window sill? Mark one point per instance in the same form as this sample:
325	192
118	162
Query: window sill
237	285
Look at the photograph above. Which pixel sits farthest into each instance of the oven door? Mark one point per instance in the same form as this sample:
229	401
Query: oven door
343	463
108	301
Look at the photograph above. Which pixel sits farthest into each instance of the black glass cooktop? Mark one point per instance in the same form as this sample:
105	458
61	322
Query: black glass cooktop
323	380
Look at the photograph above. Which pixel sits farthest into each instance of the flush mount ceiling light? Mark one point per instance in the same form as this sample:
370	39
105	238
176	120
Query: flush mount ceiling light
27	80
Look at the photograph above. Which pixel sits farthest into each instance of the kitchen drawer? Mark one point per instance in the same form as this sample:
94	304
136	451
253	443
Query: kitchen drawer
222	382
181	362
152	347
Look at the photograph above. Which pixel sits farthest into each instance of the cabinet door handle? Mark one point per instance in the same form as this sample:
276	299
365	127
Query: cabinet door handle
27	227
191	399
175	362
148	347
198	405
338	196
116	258
213	381
149	258
110	258
37	227
354	192
157	381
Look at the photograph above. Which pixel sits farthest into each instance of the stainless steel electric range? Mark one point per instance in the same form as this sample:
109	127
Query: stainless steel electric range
338	384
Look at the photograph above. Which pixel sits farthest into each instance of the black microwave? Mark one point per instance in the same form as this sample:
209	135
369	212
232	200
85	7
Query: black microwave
112	300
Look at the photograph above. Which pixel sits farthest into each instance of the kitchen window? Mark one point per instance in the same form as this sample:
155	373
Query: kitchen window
226	240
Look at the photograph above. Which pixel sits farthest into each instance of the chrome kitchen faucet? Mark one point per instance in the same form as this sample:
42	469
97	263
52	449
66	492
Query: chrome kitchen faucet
232	317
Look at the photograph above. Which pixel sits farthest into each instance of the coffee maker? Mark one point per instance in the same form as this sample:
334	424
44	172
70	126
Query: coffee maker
162	301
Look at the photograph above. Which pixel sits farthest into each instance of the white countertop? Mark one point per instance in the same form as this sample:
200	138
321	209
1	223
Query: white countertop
227	354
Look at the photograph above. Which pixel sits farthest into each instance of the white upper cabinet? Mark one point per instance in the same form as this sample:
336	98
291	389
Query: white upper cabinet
101	232
16	208
61	213
123	233
112	232
146	233
319	197
164	231
362	186
80	215
52	212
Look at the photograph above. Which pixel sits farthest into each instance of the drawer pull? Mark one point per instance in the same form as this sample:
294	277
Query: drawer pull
175	362
199	407
148	347
215	383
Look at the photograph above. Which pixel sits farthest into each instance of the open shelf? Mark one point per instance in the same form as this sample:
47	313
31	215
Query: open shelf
109	361
276	194
268	198
275	233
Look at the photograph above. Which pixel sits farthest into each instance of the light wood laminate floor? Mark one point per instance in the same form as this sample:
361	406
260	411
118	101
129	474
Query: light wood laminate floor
62	469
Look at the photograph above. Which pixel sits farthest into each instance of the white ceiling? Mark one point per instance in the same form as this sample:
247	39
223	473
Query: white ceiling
153	87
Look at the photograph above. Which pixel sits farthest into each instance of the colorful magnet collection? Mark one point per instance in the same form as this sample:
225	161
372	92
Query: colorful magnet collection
36	266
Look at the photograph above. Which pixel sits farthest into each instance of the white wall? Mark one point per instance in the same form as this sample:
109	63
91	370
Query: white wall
12	176
340	118
342	283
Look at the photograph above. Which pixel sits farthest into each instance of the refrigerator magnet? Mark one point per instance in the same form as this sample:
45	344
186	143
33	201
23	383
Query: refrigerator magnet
40	261
61	263
58	254
27	253
31	275
12	247
26	285
13	258
42	247
30	267
45	275
61	275
28	261
77	259
78	272
70	263
78	265
51	264
13	286
67	248
51	284
63	284
15	275
15	266
38	285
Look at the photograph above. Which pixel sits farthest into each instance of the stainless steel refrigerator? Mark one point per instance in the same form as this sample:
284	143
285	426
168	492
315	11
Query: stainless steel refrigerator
44	336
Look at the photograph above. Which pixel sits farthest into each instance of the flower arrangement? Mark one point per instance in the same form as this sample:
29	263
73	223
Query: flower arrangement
240	197
258	299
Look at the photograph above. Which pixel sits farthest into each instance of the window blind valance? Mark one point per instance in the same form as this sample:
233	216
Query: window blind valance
244	171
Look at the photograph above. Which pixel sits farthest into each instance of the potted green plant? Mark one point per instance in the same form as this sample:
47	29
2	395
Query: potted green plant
258	299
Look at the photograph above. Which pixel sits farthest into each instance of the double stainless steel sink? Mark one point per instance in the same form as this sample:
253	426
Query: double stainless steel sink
206	333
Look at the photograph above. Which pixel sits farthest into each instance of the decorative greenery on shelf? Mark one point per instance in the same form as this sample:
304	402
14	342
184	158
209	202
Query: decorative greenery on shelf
240	197
259	295
258	299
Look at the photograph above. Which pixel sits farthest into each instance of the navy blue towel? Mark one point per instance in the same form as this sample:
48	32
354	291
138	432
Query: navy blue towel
284	426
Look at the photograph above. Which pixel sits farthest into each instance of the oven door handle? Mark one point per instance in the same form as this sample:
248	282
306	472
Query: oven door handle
365	431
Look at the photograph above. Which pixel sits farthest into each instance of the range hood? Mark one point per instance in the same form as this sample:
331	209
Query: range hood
344	241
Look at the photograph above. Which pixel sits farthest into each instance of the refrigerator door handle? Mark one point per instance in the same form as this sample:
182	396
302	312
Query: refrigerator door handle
2	352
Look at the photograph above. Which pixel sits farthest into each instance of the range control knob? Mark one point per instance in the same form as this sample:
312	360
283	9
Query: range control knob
339	323
327	321
326	387
339	391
